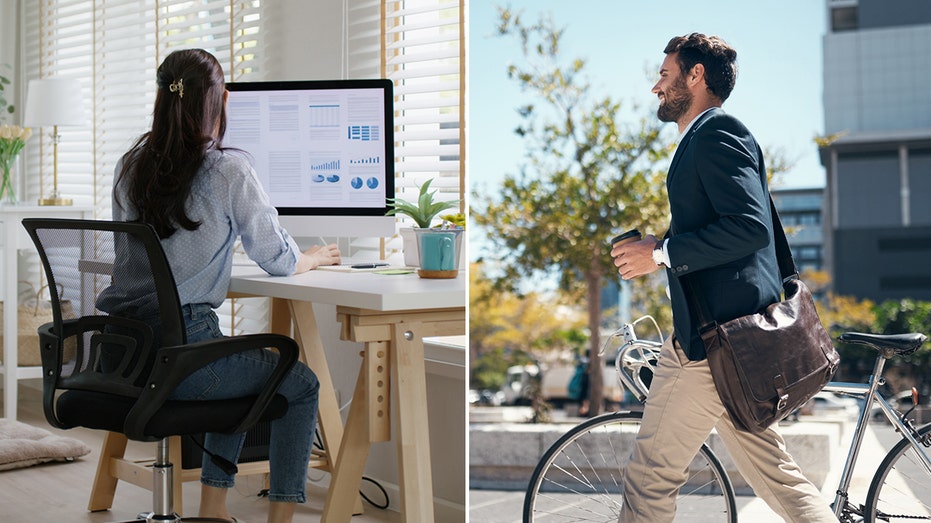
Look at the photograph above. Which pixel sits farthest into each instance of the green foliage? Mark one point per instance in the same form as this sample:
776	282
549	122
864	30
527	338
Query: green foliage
907	315
903	316
841	314
425	209
507	329
589	172
6	108
490	370
592	168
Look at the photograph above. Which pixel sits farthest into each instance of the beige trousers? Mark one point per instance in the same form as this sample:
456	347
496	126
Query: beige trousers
681	409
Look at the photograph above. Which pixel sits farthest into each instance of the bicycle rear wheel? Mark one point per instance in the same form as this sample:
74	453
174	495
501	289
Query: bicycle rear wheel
901	488
579	477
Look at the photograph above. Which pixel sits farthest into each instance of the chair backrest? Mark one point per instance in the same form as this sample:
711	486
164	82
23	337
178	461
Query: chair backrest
108	282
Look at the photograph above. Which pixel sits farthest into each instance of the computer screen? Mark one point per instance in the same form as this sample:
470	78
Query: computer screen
323	150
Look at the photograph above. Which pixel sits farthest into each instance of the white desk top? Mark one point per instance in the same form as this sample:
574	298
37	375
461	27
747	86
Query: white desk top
364	290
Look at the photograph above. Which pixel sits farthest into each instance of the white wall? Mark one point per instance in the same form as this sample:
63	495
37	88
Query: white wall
306	40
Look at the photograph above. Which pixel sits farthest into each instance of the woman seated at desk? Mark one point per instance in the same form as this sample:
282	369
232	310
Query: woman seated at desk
200	197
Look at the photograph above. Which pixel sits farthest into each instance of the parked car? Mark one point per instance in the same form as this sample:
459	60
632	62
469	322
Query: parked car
828	403
900	401
486	397
554	382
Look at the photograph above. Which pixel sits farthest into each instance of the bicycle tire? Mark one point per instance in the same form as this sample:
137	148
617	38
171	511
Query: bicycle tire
901	488
579	477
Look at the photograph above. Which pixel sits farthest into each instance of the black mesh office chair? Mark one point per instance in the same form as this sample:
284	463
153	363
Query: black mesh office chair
114	372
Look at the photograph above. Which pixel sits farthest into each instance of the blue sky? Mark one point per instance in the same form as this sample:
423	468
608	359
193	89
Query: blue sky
779	85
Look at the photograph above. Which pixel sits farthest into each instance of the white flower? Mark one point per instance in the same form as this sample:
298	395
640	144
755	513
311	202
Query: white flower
15	132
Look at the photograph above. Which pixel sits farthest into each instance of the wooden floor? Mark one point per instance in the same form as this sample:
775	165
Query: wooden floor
59	491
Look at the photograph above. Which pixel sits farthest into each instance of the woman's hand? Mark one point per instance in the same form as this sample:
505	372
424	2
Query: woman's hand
317	256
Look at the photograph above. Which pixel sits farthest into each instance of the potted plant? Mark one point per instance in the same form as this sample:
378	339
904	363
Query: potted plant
423	212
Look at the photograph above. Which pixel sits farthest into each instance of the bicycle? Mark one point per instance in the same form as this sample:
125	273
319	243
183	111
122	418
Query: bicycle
579	476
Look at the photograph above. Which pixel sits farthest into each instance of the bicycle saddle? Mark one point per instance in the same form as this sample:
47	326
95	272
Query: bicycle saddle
899	344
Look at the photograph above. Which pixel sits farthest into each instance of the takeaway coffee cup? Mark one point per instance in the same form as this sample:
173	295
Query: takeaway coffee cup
627	237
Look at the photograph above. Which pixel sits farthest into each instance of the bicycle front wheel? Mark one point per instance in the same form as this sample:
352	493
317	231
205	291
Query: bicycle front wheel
579	477
901	488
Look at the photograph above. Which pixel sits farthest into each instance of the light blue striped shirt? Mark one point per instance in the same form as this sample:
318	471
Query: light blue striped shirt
228	201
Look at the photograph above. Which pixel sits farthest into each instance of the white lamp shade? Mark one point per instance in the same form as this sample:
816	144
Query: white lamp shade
54	101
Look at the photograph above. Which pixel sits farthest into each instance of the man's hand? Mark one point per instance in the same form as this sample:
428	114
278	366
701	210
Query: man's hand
635	259
317	256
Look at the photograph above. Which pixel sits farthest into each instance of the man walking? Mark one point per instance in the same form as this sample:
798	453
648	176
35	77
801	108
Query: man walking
719	244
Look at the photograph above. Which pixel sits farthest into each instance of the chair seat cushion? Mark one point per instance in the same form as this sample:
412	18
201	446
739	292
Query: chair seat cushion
97	410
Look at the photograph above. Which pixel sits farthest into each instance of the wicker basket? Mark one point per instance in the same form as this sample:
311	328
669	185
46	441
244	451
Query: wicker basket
29	319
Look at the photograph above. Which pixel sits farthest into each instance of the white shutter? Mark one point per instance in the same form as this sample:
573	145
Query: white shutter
64	33
231	31
114	47
123	86
423	55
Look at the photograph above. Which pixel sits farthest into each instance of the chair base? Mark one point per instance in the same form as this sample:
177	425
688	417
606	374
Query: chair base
162	497
174	518
150	517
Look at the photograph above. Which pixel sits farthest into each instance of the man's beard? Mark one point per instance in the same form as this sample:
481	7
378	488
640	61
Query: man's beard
678	102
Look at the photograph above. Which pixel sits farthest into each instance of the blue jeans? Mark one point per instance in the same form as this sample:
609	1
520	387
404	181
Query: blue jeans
244	374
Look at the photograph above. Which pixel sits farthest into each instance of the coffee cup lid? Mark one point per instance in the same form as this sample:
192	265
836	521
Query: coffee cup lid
633	233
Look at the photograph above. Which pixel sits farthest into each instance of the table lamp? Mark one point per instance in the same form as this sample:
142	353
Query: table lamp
54	102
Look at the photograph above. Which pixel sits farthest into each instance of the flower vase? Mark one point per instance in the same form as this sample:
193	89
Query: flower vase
7	193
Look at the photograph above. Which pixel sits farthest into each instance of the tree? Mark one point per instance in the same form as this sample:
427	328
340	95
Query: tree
505	329
588	174
904	316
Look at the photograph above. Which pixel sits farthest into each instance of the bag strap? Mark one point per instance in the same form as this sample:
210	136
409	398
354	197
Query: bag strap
787	271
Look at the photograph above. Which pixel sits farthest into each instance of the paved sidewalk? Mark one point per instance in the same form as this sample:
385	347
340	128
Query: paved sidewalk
496	506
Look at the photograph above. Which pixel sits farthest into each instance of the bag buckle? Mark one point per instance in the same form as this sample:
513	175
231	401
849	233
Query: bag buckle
783	401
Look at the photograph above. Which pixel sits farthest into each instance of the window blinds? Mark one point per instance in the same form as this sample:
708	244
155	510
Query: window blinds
424	56
114	47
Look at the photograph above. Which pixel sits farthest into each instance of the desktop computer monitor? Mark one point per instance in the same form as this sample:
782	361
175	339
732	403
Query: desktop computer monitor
323	150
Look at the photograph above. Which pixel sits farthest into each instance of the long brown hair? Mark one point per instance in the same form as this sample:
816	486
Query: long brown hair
189	119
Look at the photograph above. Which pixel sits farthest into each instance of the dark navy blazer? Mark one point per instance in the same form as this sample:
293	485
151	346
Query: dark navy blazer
720	236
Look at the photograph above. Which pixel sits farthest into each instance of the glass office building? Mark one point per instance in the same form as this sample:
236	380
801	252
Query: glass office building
877	111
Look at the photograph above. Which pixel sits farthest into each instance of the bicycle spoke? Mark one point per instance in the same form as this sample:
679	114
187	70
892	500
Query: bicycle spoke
901	489
579	477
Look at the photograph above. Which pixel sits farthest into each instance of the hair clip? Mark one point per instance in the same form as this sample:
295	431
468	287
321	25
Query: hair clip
177	86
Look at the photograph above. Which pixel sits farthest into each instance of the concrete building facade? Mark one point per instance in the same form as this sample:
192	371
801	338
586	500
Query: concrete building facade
877	149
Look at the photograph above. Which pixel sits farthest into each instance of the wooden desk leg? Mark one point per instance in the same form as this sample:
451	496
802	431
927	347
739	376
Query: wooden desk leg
350	463
413	438
328	416
280	321
104	487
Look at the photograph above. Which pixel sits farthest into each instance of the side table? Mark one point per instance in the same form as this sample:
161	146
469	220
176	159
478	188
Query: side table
13	238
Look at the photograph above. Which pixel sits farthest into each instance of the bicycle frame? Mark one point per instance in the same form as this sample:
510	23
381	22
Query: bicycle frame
635	354
868	391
